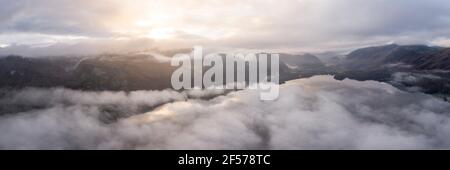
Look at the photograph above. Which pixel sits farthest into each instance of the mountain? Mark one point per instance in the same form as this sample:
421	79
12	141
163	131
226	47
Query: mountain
136	71
106	72
436	61
411	67
305	60
301	66
118	72
414	68
16	71
418	57
394	55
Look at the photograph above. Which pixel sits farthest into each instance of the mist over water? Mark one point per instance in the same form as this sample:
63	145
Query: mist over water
314	113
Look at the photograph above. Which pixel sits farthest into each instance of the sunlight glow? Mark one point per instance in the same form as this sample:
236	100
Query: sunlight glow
161	33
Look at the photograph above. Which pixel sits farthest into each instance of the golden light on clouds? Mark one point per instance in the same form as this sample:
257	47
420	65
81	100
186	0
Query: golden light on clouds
284	25
171	19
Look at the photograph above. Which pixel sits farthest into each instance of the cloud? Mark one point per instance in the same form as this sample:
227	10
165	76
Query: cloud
81	47
314	113
412	77
430	82
58	17
305	25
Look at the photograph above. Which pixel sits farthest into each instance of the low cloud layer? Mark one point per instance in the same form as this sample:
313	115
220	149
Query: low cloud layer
314	113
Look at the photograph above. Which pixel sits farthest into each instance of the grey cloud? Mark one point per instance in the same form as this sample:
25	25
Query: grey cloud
63	17
429	82
308	25
315	113
341	25
412	77
83	47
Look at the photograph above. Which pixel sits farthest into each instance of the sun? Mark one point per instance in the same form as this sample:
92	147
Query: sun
156	27
161	33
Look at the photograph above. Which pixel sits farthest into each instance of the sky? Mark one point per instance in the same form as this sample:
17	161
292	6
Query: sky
54	26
